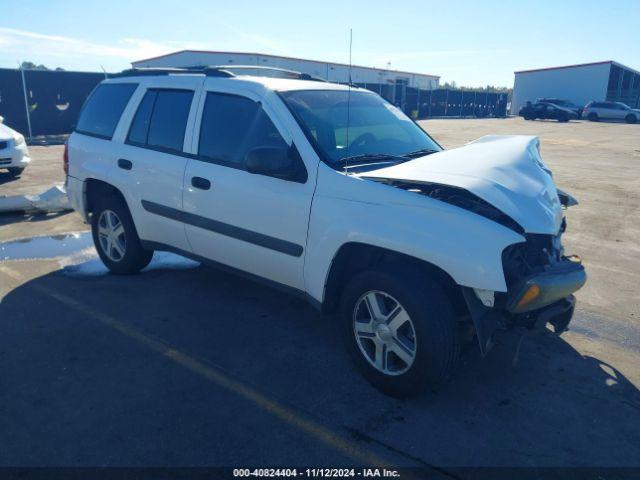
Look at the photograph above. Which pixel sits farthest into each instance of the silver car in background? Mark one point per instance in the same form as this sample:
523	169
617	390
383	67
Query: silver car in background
596	111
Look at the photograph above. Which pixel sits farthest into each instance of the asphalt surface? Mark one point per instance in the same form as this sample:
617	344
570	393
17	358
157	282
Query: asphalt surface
183	365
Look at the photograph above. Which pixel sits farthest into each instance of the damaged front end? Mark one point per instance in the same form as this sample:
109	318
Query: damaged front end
540	281
505	180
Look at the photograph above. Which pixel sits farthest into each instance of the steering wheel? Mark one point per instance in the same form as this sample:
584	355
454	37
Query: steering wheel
363	139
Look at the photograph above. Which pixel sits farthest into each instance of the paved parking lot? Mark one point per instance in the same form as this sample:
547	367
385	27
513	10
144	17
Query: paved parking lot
184	365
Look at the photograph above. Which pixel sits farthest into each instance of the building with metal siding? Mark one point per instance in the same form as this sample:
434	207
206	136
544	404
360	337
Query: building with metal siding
579	84
333	72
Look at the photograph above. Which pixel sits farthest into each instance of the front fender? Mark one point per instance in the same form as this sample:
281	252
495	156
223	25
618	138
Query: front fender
465	245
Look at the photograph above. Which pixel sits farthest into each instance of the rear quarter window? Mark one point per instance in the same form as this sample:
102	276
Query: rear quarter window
102	111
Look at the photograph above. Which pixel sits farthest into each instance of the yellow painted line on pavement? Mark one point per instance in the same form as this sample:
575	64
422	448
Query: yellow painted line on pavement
218	377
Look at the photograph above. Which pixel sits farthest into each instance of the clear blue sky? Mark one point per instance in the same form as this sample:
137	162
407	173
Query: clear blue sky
472	43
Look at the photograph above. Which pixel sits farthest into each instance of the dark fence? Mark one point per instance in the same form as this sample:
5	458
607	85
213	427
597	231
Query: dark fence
53	98
419	103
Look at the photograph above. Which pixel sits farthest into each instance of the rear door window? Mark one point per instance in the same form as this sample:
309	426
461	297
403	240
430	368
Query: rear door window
102	111
231	126
161	120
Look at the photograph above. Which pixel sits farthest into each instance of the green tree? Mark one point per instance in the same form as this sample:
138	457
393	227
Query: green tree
32	66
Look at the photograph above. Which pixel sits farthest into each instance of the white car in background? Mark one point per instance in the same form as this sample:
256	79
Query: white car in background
14	154
595	111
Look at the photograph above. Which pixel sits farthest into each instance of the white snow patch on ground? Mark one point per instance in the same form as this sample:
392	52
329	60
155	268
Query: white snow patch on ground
86	263
52	200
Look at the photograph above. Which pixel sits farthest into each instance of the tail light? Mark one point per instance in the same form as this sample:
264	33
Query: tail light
65	158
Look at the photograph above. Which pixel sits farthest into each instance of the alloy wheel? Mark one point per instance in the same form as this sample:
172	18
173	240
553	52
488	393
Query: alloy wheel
384	333
113	241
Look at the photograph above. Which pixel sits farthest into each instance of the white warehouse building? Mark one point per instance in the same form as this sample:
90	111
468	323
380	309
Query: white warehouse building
330	71
580	84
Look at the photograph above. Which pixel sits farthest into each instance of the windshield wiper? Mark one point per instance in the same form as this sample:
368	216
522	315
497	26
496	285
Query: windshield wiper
373	157
420	153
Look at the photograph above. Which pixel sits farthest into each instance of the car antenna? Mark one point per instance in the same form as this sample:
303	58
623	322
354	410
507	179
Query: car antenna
346	158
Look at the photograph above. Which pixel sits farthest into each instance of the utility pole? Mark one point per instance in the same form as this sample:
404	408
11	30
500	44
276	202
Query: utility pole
26	101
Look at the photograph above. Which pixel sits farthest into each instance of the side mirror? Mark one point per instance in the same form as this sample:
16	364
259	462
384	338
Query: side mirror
1	119
279	162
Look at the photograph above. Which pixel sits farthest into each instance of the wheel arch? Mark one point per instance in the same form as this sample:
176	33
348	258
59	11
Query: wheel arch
354	257
95	189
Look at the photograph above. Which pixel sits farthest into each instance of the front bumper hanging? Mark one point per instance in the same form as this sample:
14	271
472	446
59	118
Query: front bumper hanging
543	297
545	288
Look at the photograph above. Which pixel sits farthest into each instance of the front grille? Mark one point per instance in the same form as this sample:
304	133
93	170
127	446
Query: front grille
4	145
5	161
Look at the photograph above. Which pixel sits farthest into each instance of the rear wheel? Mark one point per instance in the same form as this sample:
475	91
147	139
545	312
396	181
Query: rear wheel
399	328
563	118
593	117
116	239
631	118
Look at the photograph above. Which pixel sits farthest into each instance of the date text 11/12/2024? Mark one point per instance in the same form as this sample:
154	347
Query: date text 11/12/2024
316	472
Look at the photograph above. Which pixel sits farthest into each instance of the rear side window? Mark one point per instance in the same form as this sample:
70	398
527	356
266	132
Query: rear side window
161	120
101	113
231	126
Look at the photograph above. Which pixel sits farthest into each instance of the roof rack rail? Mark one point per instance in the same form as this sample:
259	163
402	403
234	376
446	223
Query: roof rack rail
224	71
153	71
295	73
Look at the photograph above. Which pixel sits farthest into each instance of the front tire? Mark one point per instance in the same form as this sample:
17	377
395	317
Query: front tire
116	239
631	119
593	117
15	171
400	329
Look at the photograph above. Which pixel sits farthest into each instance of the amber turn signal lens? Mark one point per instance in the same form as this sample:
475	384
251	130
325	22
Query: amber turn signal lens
532	292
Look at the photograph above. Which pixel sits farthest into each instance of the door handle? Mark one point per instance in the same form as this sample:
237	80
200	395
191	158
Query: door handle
201	183
125	164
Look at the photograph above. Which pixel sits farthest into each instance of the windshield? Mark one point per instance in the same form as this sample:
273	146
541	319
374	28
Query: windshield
377	130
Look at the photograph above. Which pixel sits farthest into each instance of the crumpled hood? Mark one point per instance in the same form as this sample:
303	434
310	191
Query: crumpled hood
504	170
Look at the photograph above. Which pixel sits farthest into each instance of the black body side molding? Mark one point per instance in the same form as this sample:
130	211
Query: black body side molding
249	236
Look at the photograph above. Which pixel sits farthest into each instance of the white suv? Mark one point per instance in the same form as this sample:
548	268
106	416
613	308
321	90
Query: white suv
333	194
